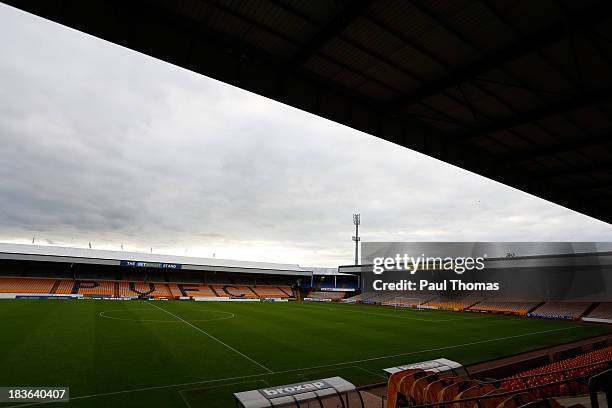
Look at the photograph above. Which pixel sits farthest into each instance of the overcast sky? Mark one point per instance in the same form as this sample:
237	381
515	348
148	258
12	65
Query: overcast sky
99	143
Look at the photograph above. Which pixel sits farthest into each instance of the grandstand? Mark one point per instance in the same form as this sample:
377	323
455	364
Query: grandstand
581	365
191	290
105	288
602	312
543	385
561	310
31	270
127	289
513	306
16	285
272	291
454	304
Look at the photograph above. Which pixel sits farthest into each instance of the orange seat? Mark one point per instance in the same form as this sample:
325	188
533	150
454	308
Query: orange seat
518	400
453	390
492	402
393	385
431	392
475	391
21	285
418	388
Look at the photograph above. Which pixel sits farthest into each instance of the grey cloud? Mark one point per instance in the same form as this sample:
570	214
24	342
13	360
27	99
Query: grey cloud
102	144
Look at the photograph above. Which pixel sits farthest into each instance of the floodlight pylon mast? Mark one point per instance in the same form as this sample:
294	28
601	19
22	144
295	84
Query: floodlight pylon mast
356	222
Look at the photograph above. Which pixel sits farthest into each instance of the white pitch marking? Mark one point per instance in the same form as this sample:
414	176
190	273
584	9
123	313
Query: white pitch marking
370	372
218	386
213	337
103	314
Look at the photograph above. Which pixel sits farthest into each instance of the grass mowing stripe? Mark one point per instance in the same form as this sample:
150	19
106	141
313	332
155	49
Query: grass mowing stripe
473	343
349	363
212	337
396	315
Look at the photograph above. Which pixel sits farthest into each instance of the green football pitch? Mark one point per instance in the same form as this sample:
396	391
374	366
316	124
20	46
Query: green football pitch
196	354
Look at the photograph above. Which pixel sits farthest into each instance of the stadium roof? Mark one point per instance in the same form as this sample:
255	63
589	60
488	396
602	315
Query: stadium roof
518	91
326	271
101	257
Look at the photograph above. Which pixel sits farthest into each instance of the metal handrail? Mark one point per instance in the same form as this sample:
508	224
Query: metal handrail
600	382
478	398
525	377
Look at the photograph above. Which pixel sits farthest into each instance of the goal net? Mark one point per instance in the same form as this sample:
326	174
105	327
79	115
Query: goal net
405	302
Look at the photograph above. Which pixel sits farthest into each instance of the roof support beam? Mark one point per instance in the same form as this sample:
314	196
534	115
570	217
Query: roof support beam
579	22
349	13
583	100
573	171
573	145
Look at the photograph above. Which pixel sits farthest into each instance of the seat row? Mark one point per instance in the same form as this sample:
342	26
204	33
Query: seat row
581	365
128	289
563	310
417	386
602	311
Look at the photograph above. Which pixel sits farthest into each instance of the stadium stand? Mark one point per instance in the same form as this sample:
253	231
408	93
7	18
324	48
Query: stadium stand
191	289
603	312
587	363
519	307
234	291
271	291
139	288
127	289
457	304
561	310
74	287
17	285
563	378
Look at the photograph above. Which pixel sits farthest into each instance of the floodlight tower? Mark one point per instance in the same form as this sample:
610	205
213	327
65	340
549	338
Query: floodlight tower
356	222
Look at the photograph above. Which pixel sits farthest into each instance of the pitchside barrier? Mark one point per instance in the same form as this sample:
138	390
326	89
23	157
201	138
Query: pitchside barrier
222	299
37	296
332	391
309	299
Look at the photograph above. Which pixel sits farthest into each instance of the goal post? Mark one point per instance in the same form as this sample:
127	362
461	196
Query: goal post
407	302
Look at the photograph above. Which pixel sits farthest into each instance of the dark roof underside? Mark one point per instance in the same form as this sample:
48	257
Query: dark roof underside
515	90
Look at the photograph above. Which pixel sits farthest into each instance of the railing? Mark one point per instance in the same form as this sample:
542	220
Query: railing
599	382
